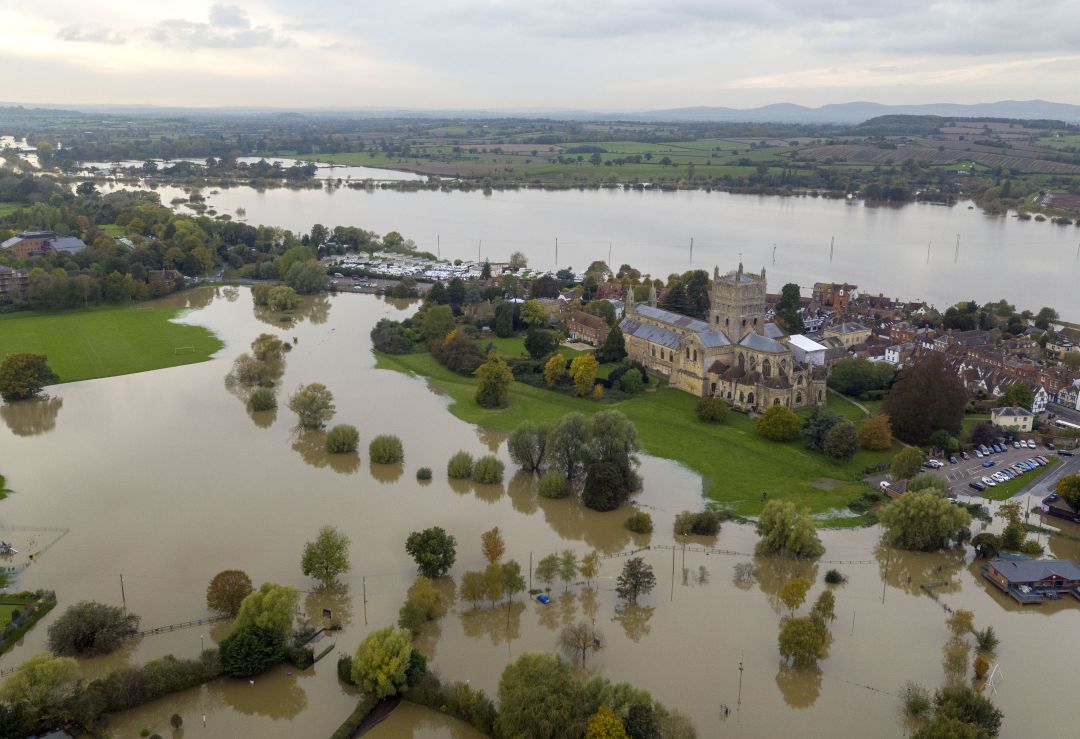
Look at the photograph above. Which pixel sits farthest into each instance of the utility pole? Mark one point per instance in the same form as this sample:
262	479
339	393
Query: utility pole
853	623
673	573
363	581
774	253
530	570
479	243
556	252
123	597
438	247
739	703
832	246
691	250
956	254
928	243
609	254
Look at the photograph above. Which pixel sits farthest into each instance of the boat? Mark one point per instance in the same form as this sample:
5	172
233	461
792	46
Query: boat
6	548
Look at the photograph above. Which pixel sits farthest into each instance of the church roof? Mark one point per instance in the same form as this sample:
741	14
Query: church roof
773	331
674	319
761	343
655	334
714	339
805	343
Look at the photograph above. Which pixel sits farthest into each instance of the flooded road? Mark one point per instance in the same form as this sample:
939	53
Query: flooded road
166	478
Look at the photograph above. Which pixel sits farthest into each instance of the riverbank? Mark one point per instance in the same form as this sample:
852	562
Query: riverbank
105	341
736	464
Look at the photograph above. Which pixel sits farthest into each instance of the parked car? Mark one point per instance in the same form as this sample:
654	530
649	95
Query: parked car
989	463
984	449
964	455
978	454
1065	453
988	482
952	459
977	486
998	448
1030	443
1016	445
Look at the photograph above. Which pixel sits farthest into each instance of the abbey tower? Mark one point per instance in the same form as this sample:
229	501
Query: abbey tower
737	305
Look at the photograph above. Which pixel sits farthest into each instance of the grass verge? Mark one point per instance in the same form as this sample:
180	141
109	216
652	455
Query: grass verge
737	465
107	341
1006	490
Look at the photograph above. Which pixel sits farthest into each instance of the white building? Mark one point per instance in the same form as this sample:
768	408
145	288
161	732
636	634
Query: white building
807	350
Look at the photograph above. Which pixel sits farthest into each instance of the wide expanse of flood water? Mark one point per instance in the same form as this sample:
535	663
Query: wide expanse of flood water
165	478
879	248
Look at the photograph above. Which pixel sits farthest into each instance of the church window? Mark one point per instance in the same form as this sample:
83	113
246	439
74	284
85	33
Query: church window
687	352
766	368
713	392
776	401
695	355
798	398
750	398
742	397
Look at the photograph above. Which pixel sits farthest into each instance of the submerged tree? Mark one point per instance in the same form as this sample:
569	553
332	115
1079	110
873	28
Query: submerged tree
788	532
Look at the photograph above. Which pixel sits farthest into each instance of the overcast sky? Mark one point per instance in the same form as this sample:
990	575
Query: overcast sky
594	54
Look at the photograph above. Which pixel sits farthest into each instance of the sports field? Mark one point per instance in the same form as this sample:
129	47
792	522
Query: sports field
106	341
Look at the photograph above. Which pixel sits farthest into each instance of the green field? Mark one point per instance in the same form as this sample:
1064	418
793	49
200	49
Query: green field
107	341
7	209
737	465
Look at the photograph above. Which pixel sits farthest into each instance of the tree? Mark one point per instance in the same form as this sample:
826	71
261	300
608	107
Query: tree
472	586
778	423
460	466
539	342
788	532
855	376
825	606
614	347
424	603
567	445
433	550
603	489
583	370
381	662
677	301
816	426
42	686
925	480
306	277
553	485
1044	317
492	545
533	314
637	578
493	582
875	433
539	698
513	582
295	255
590	566
577	640
602	309
504	320
24	375
961	622
841	442
386	449
925	397
964	703
527	444
250	650
518	261
801	641
604	724
631	381
568	567
554	369
227	591
906	463
923	521
488	470
612	439
89	628
342	439
282	298
313	404
327	556
982	433
793	592
270	607
389	337
1019	395
545	287
493	382
547	569
1068	488
436	321
712	409
788	309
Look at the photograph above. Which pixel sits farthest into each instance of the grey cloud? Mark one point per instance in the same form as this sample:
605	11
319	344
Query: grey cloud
78	34
228	28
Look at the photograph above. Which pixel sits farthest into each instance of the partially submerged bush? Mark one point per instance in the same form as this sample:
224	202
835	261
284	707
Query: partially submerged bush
553	484
386	449
834	577
263	399
640	523
342	439
424	473
488	470
703	523
460	466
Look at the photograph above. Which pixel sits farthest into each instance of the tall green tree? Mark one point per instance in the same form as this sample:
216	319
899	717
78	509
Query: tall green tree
802	641
227	591
923	520
841	442
270	607
636	579
24	376
925	397
527	445
327	556
614	347
787	532
788	309
494	379
382	661
778	423
43	686
433	550
1019	395
313	404
89	628
906	463
534	681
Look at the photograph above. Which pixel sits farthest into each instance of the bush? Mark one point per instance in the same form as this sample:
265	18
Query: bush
263	399
386	449
250	650
342	439
389	337
553	484
344	669
631	382
834	577
351	725
488	470
603	487
133	686
424	473
1031	547
704	523
640	523
778	423
712	409
458	700
89	628
460	466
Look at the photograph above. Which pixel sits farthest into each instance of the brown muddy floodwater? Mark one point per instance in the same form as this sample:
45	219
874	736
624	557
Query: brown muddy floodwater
165	478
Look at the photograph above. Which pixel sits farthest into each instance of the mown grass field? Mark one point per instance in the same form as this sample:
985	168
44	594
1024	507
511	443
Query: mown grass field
737	465
106	341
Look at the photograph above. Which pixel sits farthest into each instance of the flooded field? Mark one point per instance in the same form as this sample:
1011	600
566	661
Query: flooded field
165	478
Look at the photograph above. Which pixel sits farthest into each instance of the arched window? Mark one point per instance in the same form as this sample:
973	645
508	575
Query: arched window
727	322
729	395
798	398
799	381
753	363
687	352
741	397
766	368
819	396
742	361
750	399
776	401
695	355
713	391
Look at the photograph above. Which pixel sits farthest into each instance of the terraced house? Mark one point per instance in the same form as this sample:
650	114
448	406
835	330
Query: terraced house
736	354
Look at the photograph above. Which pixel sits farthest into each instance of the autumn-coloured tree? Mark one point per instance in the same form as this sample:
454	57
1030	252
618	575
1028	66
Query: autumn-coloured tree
493	545
876	433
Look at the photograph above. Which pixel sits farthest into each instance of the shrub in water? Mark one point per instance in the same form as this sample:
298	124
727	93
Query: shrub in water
553	484
640	523
460	466
705	523
833	577
263	399
342	439
386	449
488	470
424	473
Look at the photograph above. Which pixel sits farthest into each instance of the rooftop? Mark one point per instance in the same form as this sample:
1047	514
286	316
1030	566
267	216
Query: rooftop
805	343
1010	410
761	343
675	319
1033	570
847	328
655	334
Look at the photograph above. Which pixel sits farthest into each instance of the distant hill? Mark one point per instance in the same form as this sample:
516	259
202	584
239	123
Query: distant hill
857	112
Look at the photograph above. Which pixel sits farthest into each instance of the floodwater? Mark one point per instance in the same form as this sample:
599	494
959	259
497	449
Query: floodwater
165	478
907	251
324	172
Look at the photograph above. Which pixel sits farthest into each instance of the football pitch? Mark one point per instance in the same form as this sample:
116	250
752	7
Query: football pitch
106	341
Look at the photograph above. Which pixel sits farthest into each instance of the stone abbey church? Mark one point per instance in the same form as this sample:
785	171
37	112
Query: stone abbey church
735	355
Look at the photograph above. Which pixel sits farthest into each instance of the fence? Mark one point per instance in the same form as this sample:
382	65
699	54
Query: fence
182	625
